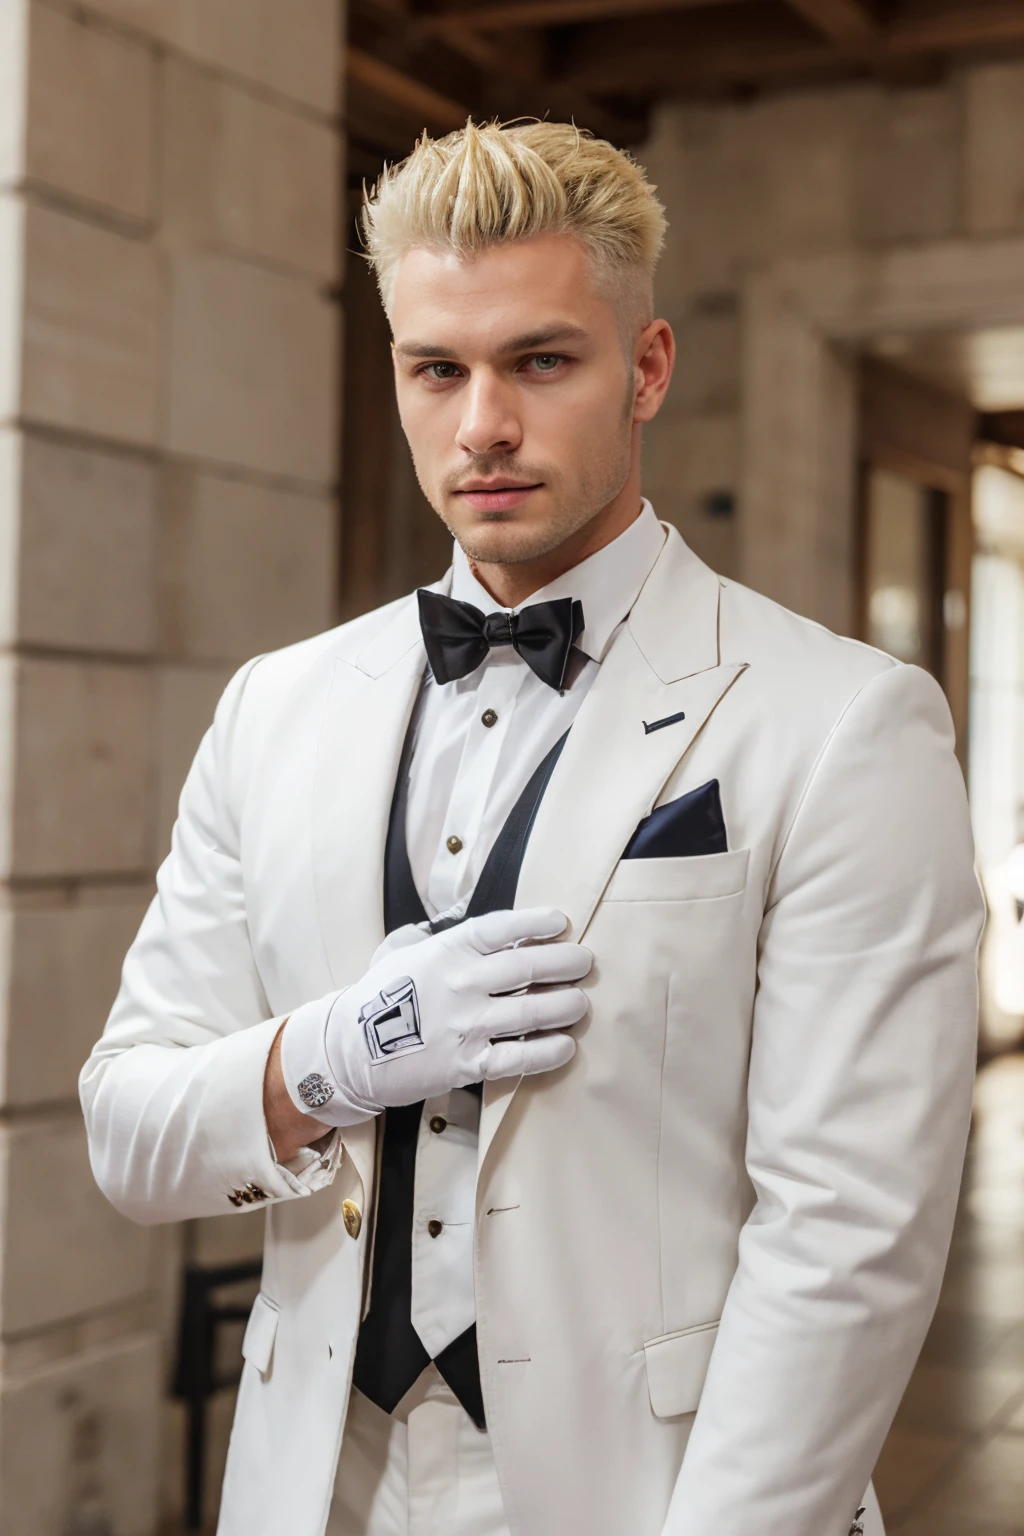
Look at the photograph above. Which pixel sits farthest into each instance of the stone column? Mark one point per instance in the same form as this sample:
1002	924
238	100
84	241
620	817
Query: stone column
169	217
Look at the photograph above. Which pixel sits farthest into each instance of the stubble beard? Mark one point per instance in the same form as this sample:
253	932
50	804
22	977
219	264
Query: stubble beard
499	538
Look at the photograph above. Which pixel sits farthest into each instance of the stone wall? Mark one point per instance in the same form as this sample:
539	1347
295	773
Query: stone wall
861	170
169	216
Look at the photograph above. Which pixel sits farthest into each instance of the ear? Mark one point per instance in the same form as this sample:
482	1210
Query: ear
654	358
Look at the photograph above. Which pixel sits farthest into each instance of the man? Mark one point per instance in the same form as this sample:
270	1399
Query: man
683	880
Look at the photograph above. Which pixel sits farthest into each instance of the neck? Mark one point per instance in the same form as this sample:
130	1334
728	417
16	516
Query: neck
511	585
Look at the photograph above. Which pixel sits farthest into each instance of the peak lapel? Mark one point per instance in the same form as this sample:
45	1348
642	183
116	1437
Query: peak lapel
370	701
664	662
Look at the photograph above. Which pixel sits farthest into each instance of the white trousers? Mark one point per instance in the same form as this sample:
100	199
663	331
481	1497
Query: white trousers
424	1471
428	1471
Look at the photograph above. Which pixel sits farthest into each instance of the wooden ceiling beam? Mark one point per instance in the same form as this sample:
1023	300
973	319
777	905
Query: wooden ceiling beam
918	28
502	15
514	75
847	24
748	45
389	107
406	24
654	72
400	92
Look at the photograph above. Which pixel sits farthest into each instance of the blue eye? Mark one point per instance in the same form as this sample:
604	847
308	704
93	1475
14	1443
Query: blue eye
546	361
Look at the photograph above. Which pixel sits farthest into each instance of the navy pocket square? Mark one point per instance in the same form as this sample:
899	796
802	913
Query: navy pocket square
691	826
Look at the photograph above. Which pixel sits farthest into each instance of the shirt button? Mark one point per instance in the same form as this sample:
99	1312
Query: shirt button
438	1124
435	1228
488	718
454	844
352	1216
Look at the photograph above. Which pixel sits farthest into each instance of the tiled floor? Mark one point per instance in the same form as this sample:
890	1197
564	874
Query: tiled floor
954	1461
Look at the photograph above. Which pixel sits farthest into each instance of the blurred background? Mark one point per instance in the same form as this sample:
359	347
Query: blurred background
200	460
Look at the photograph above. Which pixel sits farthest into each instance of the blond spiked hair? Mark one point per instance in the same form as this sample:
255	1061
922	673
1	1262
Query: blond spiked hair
489	185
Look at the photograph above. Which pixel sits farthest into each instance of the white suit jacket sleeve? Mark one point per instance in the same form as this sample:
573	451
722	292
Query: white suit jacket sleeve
173	1092
859	1103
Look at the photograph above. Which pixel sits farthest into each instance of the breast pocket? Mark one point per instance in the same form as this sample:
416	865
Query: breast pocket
691	879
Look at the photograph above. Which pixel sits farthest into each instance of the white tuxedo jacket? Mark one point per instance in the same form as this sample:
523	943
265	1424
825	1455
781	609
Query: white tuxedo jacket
707	1251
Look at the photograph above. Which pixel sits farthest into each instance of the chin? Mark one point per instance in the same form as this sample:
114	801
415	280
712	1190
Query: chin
505	543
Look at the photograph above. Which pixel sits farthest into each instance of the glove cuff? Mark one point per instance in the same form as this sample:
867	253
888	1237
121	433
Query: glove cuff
312	1085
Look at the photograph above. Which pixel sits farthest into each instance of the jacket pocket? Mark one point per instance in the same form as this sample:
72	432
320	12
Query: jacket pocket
677	1364
260	1332
683	879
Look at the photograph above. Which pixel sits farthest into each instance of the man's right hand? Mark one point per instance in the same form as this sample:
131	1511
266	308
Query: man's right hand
455	1009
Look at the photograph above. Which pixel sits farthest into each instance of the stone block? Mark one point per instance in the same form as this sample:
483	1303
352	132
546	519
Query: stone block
803	148
247	174
750	183
86	562
187	699
253	369
92	329
90	113
13	88
80	1443
8	693
84	769
10	531
8	717
61	975
994	171
153	18
244	568
694	453
294	49
713	539
707	376
12	268
66	1251
908	166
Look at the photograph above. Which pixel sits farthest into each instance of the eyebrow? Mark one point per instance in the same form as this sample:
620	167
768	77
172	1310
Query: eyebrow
524	343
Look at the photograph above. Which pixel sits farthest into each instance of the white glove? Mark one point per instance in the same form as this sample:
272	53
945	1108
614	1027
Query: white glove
438	1014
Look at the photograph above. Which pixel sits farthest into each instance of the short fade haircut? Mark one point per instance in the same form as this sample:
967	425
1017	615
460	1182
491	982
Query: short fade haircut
489	185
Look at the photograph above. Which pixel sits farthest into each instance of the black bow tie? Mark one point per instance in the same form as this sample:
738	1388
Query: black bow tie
458	636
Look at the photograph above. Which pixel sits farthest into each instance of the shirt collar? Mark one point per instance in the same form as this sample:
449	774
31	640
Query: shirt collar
607	583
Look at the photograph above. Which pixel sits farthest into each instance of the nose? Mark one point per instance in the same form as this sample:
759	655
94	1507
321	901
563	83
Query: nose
490	423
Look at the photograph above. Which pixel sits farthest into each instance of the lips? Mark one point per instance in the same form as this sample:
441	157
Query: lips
499	497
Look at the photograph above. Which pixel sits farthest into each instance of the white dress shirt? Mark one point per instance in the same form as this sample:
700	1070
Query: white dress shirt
476	743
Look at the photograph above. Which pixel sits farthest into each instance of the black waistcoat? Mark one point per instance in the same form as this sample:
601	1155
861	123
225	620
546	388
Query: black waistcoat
389	1354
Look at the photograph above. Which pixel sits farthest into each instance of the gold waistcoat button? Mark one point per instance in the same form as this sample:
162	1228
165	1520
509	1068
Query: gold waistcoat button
352	1216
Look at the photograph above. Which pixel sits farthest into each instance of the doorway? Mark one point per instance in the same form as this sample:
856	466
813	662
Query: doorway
941	585
914	535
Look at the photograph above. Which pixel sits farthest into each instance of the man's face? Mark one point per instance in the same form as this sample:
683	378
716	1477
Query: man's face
514	392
